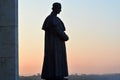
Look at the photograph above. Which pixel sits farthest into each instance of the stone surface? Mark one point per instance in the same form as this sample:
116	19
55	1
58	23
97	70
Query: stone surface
8	39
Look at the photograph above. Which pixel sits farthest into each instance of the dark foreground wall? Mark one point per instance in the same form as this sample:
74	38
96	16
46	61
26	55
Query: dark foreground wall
8	39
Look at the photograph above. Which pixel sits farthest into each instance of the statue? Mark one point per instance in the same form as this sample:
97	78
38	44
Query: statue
55	59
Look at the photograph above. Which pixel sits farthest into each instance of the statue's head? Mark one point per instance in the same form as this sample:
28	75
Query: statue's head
56	7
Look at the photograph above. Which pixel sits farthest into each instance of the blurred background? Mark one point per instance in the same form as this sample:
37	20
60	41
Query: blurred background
92	25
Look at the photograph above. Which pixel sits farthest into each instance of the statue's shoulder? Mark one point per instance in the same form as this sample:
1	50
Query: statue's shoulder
51	18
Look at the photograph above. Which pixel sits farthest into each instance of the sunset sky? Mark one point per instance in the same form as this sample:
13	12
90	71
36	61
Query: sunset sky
92	25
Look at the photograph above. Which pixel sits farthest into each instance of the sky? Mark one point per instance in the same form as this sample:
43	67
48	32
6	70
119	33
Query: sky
93	27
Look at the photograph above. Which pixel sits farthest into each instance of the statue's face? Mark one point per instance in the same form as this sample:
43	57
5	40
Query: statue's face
57	8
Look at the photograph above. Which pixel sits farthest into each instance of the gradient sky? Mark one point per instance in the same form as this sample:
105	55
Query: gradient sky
92	25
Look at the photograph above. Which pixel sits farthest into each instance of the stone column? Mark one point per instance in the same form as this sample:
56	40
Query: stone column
8	39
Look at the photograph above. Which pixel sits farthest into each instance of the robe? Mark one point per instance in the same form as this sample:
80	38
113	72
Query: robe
55	59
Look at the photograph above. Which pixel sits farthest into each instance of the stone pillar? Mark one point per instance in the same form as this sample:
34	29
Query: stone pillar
8	39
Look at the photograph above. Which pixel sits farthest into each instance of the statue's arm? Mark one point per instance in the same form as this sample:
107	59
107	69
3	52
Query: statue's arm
60	33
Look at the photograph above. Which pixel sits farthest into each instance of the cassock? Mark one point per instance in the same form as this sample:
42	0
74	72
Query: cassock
55	59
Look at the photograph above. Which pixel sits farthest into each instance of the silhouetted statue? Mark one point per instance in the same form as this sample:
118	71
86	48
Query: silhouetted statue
55	59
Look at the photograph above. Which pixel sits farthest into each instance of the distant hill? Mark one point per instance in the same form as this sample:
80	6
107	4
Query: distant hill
79	77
